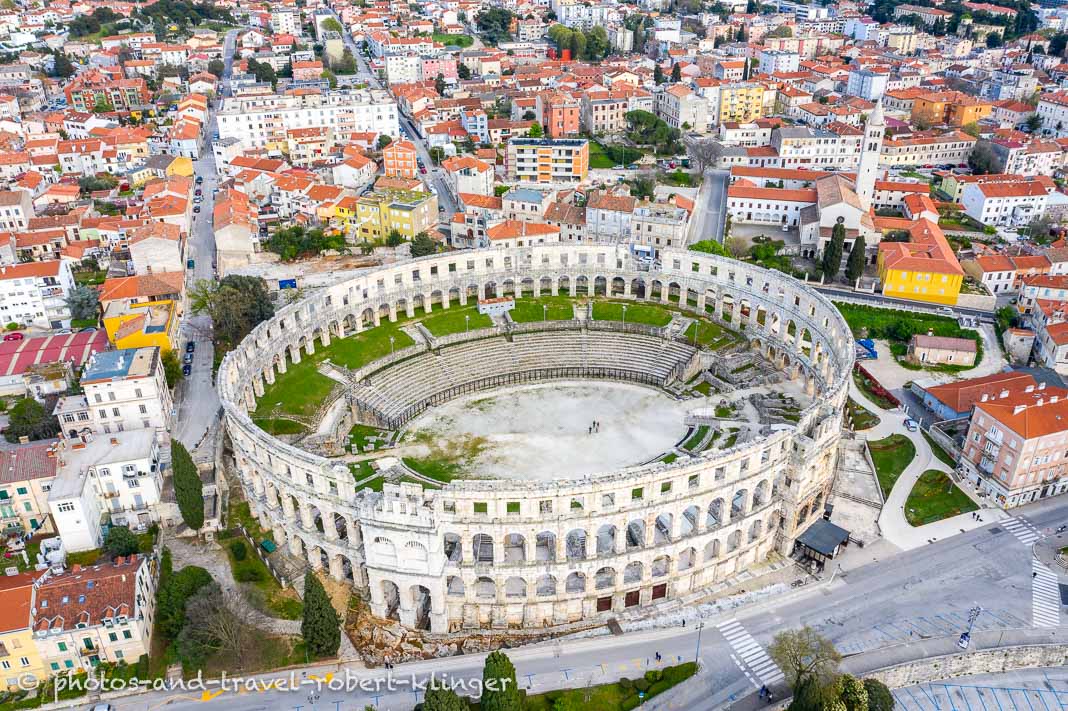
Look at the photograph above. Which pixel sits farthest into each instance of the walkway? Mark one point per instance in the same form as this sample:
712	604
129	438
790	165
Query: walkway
892	523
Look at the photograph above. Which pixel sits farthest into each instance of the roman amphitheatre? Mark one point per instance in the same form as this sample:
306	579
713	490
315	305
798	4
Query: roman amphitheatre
536	437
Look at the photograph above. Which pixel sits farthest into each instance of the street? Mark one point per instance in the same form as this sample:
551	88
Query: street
884	606
710	220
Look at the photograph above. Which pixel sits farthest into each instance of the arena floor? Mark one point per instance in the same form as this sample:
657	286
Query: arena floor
542	431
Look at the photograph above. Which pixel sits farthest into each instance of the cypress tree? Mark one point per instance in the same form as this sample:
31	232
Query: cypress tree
832	253
499	689
855	263
188	490
442	699
321	626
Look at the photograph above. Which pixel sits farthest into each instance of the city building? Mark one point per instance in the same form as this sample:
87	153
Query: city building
35	294
409	212
549	161
400	160
923	269
20	663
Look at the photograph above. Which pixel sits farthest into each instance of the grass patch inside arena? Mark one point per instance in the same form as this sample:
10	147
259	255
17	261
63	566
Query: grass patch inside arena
552	308
367	439
696	438
298	391
891	456
647	314
863	419
279	426
448	321
935	497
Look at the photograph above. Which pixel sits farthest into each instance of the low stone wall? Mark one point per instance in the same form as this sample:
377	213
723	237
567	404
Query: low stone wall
981	302
992	661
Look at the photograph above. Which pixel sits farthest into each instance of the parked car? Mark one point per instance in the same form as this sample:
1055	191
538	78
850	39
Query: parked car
187	369
422	169
196	209
200	179
911	425
187	358
64	332
199	192
190	346
14	337
88	329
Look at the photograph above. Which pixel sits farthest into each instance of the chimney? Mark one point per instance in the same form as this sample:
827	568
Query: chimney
1039	402
930	332
1053	399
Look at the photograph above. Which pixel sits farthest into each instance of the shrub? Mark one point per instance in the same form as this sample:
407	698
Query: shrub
631	702
13	326
238	550
641	685
626	684
654	675
248	572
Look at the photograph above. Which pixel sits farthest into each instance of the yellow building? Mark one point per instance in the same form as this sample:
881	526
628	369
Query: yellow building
409	212
741	102
19	658
922	269
180	166
143	324
952	108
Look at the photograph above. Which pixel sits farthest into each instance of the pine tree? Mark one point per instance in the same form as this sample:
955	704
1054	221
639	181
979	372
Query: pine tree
855	263
499	689
187	487
658	75
676	72
832	253
321	627
443	699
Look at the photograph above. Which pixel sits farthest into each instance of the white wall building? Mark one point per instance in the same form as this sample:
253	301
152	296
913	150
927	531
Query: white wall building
867	83
1004	204
35	294
774	60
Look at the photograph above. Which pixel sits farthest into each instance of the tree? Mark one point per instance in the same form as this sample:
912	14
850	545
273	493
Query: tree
174	590
237	304
658	75
345	65
321	626
832	253
218	622
443	699
971	128
852	693
83	302
28	418
535	130
102	105
188	489
781	31
121	541
737	247
676	73
330	77
804	656
63	66
463	71
172	368
879	696
993	40
1033	123
383	141
855	263
423	244
439	84
216	67
982	159
1057	43
493	24
704	153
330	24
499	689
578	45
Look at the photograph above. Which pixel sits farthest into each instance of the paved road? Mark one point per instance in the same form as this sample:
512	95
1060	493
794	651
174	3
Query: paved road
1023	690
197	401
717	179
838	293
883	605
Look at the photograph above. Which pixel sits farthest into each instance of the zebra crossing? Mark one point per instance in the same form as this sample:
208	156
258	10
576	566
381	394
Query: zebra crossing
750	655
1045	597
1023	529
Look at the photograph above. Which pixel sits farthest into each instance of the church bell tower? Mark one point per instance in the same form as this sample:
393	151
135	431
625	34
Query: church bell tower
869	155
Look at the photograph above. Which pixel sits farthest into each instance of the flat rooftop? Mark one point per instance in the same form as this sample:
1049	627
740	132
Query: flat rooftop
125	363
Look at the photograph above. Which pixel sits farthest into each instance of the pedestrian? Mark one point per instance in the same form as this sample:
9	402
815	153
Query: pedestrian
684	622
763	690
1034	574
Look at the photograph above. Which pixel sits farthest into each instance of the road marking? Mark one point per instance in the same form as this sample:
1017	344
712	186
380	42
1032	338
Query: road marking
751	653
1024	531
1045	597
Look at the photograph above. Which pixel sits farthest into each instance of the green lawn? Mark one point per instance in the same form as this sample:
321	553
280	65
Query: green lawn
710	335
891	456
447	321
942	455
724	410
358	438
556	308
862	418
91	278
276	601
598	158
461	41
862	384
636	313
279	426
935	497
360	349
669	458
622	694
437	469
704	387
696	438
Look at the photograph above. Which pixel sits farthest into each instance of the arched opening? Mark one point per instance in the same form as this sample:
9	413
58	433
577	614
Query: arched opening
454	586
606	540
482	548
575	546
575	583
341	526
384	550
715	515
485	588
661	566
738	504
754	531
734	541
711	550
687	559
604	578
662	529
391	600
454	551
515	587
545	586
632	573
635	535
688	524
421	605
760	494
545	546
515	548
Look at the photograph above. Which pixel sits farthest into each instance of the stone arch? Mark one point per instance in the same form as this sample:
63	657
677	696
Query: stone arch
391	600
656	289
688	558
791	332
341	527
689	522
526	286
661	566
715	515
485	588
674	292
755	529
604	578
575	545
633	572
437	297
575	583
546	283
384	549
564	284
635	534
760	493
545	586
734	541
415	552
582	285
662	529
619	286
545	546
637	288
508	287
515	548
739	504
454	586
606	539
515	586
453	548
421	606
712	550
600	286
482	548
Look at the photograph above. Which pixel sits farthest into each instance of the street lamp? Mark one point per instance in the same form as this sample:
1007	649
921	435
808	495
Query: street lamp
624	317
391	340
544	312
697	654
467	323
966	638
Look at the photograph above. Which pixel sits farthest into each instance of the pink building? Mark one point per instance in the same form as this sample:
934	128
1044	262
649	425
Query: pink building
445	66
1016	448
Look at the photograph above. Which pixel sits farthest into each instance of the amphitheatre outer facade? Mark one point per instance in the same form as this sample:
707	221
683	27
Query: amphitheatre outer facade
504	553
